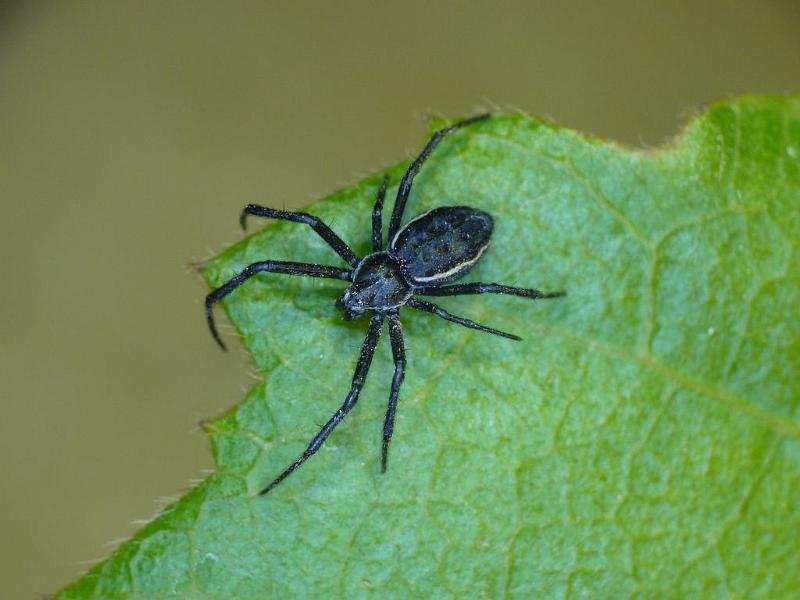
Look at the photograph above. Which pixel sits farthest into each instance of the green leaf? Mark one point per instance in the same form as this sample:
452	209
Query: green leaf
643	440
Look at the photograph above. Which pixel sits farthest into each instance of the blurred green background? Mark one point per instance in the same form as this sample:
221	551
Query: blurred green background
131	133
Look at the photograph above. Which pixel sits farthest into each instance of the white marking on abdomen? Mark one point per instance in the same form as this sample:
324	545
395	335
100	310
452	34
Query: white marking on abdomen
447	274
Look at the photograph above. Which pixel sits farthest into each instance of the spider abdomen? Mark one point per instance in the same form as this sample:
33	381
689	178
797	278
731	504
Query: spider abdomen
442	244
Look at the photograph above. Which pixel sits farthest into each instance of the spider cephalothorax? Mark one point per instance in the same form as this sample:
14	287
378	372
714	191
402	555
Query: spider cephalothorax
432	249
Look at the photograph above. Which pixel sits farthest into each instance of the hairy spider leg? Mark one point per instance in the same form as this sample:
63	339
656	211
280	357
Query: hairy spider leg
377	217
399	356
408	179
440	312
460	289
325	232
364	361
268	266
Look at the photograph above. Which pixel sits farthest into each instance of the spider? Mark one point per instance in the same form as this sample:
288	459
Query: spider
432	249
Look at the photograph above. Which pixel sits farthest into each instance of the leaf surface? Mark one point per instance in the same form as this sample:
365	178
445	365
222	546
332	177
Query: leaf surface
643	440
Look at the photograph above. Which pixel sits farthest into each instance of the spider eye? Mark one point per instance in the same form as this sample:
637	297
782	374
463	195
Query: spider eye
352	315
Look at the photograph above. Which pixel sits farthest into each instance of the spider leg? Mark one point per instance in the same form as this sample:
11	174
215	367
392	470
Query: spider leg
399	355
377	217
408	179
364	361
460	289
270	266
325	232
440	312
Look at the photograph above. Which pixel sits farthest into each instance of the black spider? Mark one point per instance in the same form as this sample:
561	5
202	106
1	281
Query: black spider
433	248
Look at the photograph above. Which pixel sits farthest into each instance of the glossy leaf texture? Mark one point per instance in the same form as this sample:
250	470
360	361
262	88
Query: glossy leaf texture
643	440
